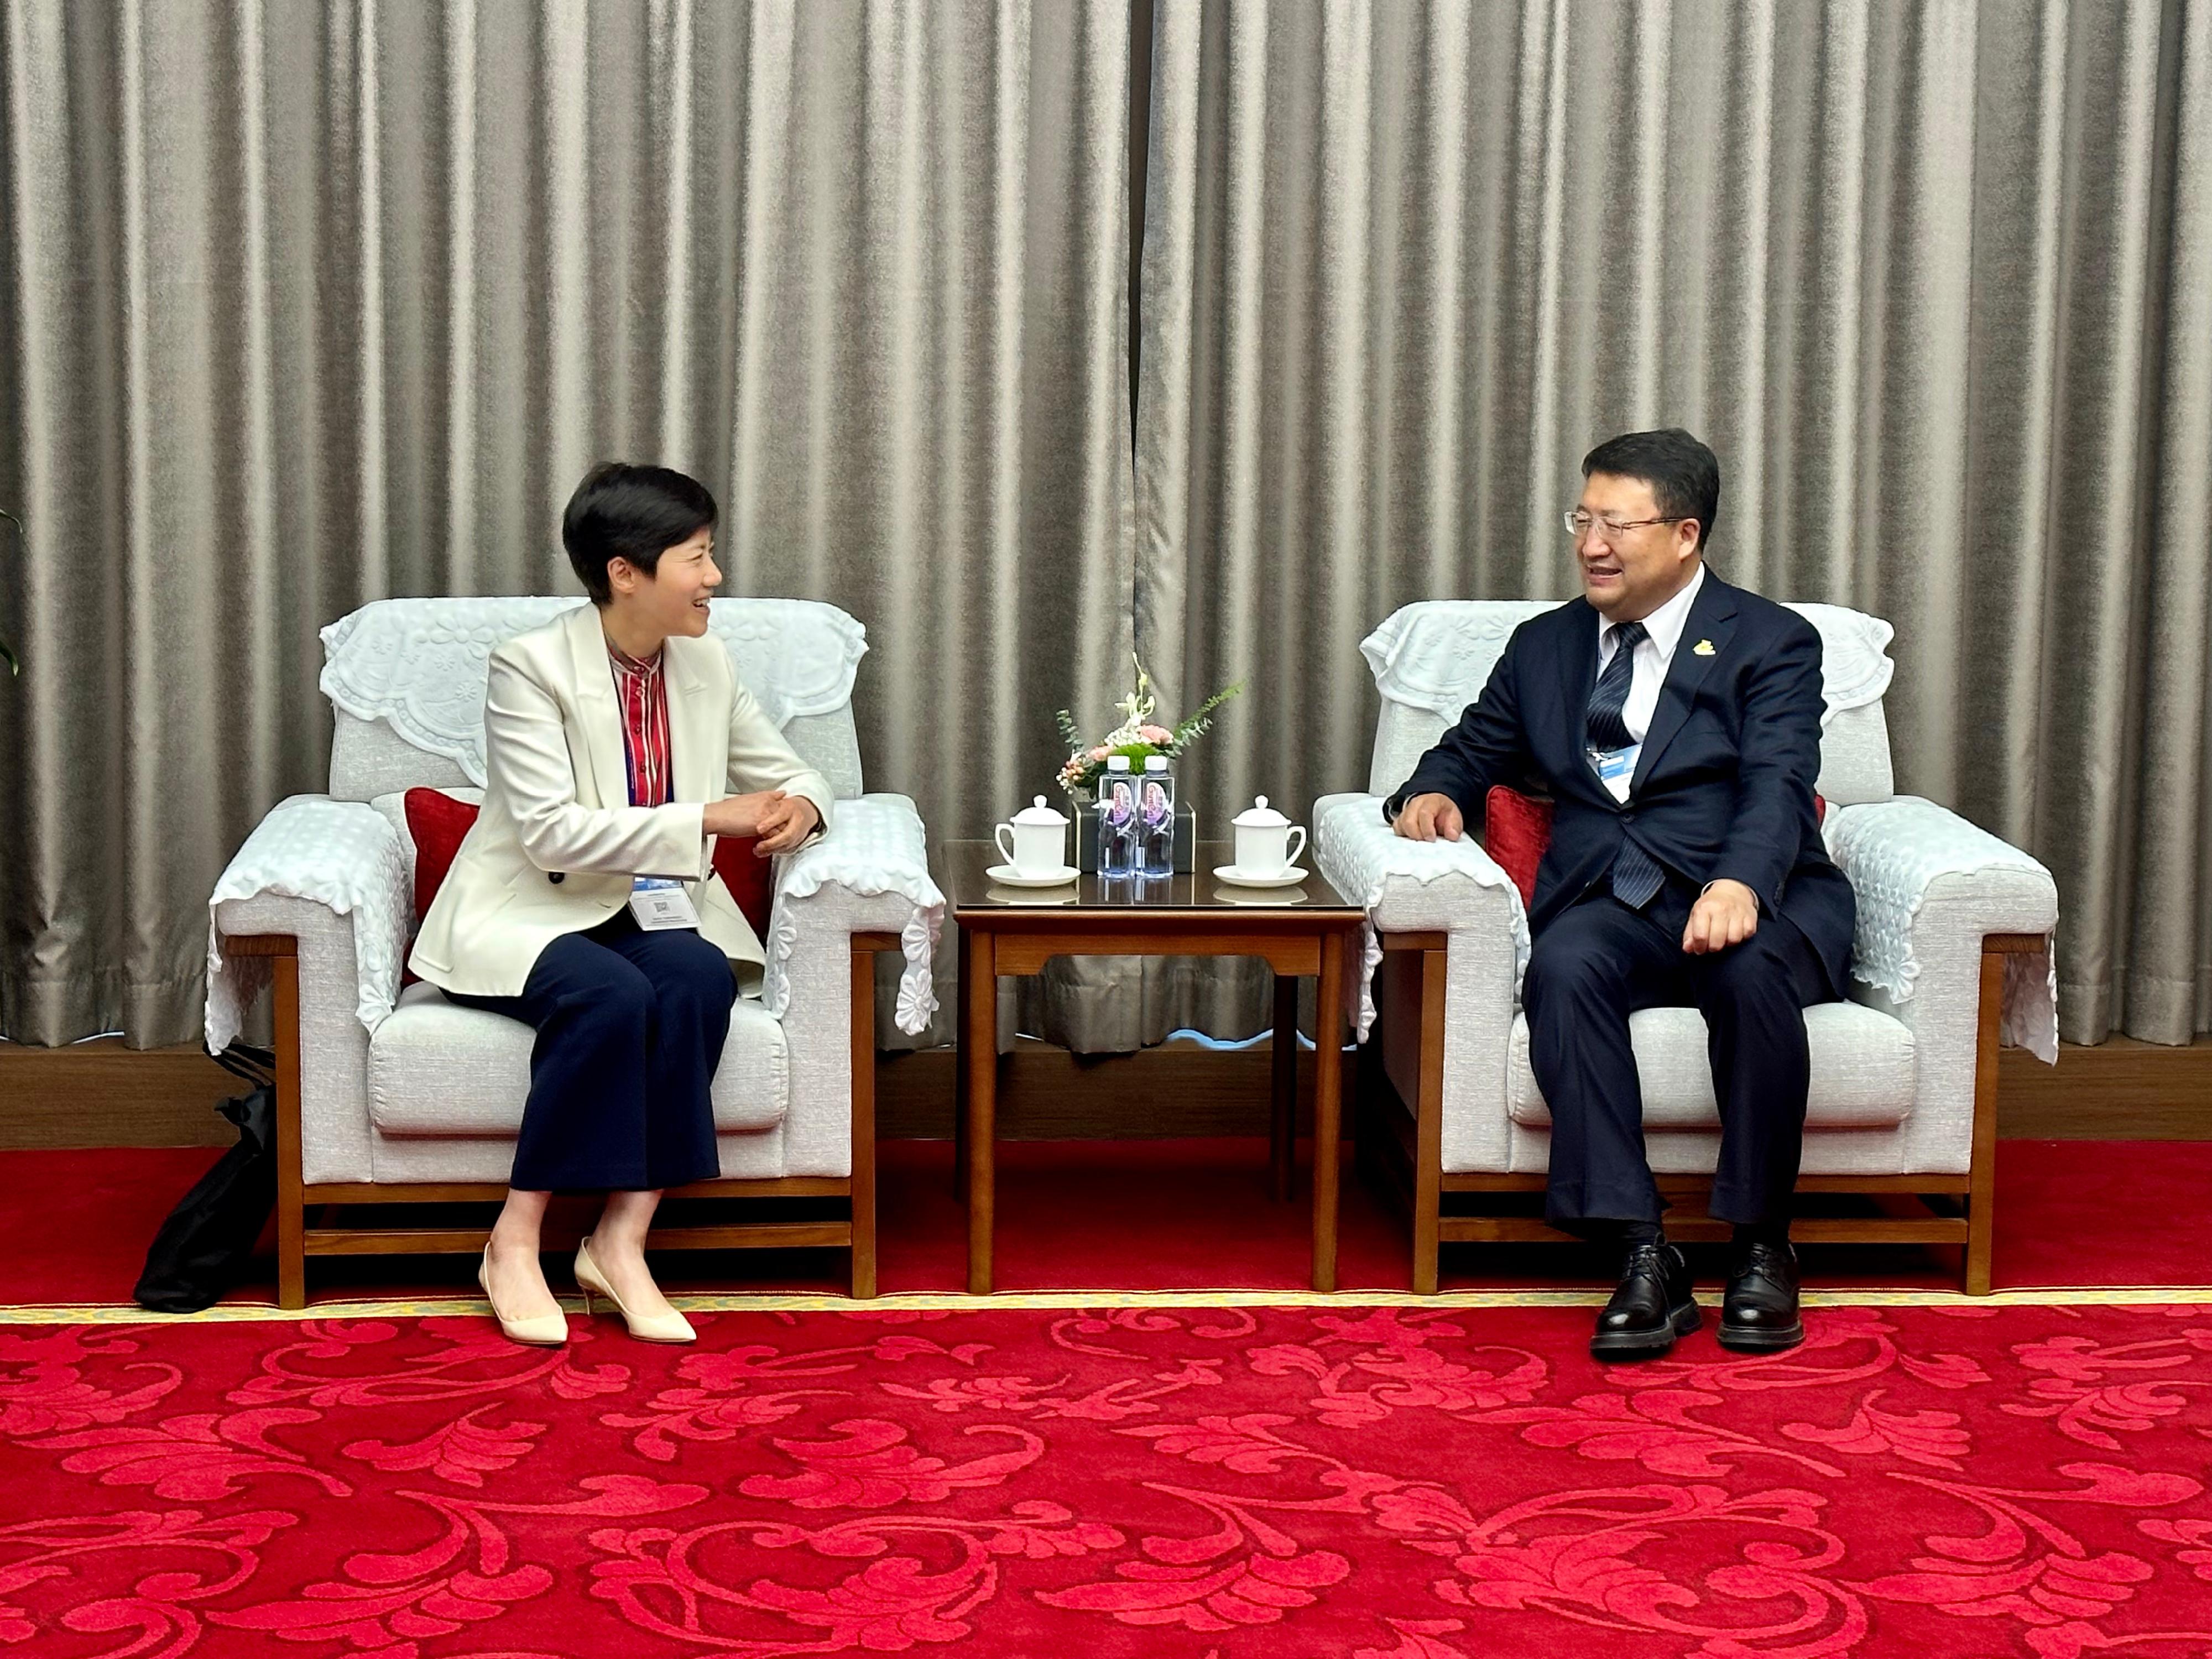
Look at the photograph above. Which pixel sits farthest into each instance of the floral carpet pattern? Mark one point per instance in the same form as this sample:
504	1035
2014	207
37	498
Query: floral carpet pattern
1388	1483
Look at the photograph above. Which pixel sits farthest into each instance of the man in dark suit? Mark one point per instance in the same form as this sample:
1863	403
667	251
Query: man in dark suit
1675	721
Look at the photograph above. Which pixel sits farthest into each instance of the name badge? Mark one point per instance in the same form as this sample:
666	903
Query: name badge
659	902
1616	765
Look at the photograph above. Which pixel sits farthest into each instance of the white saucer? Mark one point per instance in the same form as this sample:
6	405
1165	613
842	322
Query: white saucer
999	894
1256	896
1237	877
1006	876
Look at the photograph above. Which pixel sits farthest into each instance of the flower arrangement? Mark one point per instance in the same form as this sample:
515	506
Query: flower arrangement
1138	736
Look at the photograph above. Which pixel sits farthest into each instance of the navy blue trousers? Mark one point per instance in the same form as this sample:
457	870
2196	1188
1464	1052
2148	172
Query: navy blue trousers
629	1027
1600	962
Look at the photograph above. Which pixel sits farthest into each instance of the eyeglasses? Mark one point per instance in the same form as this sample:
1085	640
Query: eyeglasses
1580	525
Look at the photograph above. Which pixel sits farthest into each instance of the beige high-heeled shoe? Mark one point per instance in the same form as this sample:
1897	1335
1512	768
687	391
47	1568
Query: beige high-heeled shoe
538	1331
671	1327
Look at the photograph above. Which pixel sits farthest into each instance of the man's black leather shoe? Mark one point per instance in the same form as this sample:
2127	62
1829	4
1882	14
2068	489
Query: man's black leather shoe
1651	1308
1760	1313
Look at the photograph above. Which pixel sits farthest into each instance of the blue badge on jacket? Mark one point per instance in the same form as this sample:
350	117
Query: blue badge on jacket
1616	765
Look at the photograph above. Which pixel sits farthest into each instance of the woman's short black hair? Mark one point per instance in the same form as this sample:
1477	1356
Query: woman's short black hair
634	513
1684	475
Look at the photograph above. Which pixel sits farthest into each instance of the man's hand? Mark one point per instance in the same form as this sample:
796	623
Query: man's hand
785	824
741	815
1726	913
1426	817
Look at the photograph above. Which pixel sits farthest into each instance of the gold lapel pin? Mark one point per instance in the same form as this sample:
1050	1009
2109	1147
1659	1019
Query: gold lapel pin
1702	647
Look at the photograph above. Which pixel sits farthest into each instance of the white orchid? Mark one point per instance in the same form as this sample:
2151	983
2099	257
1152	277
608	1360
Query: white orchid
1137	706
1138	735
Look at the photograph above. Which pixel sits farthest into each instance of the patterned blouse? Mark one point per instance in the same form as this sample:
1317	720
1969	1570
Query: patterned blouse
643	694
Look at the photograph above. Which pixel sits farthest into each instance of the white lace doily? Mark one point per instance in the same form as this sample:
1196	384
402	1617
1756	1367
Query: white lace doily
420	664
874	846
1358	853
1439	654
1892	851
342	854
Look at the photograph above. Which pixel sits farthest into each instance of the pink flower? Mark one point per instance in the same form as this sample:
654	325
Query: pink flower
1099	753
1159	736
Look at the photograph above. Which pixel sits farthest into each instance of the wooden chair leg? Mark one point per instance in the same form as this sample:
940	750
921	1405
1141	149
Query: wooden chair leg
864	1123
1429	1127
291	1185
1981	1202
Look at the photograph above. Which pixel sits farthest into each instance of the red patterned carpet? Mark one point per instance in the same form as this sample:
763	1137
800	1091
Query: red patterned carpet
1388	1483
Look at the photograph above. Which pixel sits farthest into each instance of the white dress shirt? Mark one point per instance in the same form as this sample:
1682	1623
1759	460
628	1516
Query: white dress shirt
1662	632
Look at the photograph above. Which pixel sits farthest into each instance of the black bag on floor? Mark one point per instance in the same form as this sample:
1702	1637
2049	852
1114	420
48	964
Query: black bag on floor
203	1247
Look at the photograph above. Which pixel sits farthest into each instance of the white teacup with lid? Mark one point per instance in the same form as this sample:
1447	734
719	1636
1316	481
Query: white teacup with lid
1264	847
1040	840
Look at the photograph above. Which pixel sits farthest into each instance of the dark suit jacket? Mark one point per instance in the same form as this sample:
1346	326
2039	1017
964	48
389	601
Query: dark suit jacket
1723	789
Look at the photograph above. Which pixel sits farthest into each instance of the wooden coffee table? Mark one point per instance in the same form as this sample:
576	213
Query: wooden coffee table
1308	929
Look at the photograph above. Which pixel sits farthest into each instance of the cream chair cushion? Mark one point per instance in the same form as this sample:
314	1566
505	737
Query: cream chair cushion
435	1068
1863	1070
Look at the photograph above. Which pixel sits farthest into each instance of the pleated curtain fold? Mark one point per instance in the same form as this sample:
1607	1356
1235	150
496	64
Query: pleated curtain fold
302	306
1934	281
306	305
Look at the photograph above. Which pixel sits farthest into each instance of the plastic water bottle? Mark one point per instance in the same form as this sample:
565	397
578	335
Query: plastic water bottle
1117	819
1156	819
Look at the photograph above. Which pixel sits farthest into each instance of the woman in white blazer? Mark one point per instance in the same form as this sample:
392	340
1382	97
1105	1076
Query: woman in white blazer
619	745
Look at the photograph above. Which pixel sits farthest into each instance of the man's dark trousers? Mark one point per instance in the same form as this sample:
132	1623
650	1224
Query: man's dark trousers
1599	961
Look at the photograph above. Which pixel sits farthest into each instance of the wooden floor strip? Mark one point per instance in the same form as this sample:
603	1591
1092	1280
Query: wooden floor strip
125	1313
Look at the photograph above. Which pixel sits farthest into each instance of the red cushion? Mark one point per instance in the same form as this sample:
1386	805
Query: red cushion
1517	828
438	823
751	880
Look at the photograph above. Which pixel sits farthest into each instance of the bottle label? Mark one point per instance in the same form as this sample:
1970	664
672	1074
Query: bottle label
1157	808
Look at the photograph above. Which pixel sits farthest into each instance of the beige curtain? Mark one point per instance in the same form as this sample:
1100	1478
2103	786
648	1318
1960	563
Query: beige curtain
1934	280
304	305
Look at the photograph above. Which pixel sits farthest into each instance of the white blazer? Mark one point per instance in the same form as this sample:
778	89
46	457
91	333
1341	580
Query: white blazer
554	846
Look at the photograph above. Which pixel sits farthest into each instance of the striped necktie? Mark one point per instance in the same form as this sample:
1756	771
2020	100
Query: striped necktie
1637	876
1608	730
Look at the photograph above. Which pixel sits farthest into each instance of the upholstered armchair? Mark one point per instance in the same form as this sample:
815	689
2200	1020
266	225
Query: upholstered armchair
1953	944
389	1097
